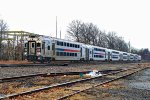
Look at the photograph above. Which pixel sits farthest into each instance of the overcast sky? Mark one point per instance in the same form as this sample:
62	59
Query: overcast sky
129	18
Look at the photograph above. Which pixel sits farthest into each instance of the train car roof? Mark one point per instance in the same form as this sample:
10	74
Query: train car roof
63	40
98	47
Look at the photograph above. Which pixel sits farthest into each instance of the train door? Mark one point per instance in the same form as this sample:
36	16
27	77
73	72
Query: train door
53	49
47	48
87	54
109	56
32	48
90	54
121	56
43	48
81	52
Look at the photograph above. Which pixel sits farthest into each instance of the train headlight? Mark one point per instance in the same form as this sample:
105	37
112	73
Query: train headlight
25	53
38	53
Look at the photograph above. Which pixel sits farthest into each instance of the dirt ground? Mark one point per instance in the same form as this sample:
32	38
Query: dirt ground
134	87
14	62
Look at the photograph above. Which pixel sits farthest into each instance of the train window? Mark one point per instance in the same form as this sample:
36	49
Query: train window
75	46
33	45
38	44
103	50
25	45
57	53
48	48
61	53
57	42
75	54
124	54
43	45
25	50
61	43
67	44
115	52
70	54
67	53
70	45
101	56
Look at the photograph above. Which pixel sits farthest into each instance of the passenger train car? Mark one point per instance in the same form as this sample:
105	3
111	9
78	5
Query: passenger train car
99	53
45	49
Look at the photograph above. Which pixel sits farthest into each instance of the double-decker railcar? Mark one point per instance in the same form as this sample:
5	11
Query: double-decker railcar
125	56
115	55
131	57
99	53
66	50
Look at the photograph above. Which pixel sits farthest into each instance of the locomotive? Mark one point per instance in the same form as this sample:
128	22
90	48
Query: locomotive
46	49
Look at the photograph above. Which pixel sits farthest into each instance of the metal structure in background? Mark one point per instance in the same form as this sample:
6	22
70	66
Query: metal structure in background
13	44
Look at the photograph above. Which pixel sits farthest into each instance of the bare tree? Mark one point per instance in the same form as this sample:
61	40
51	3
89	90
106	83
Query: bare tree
111	40
3	27
89	33
74	29
83	32
102	39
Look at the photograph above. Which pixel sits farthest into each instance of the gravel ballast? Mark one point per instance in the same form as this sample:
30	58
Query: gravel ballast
134	87
19	71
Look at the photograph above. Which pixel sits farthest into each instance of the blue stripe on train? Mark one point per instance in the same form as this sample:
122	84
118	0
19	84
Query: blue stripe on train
59	49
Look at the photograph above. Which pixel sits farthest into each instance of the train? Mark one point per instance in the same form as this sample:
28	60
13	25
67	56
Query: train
39	48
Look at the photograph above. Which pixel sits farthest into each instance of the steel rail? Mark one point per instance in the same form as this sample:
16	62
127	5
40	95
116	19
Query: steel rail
17	77
28	65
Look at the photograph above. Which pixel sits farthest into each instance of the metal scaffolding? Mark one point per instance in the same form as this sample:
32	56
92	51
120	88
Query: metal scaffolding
13	44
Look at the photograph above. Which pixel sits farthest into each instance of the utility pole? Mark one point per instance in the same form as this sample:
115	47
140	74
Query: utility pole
60	34
129	46
56	26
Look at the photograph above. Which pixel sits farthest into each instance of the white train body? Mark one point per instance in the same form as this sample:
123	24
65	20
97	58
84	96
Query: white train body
139	58
115	55
66	50
46	49
132	58
125	56
99	53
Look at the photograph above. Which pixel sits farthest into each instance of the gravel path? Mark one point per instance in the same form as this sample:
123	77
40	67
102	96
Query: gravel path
18	71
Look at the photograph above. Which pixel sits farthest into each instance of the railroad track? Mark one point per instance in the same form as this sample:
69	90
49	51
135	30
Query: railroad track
68	86
15	83
10	79
105	81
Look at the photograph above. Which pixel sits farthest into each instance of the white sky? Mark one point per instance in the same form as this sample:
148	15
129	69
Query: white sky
129	18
